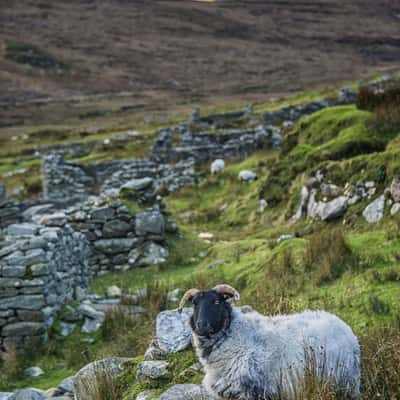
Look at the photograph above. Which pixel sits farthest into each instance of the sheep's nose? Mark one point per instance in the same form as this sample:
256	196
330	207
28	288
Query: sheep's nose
202	326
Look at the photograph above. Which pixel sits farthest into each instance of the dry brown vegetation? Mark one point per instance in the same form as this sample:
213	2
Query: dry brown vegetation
85	60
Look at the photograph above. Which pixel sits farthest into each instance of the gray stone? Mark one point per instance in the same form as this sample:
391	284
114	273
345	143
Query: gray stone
154	353
334	208
374	211
24	229
53	220
5	395
152	370
88	311
330	190
247	176
395	190
2	191
116	228
33	372
28	394
34	211
153	254
395	208
23	329
13	271
66	329
115	246
103	213
173	332
66	386
137	184
149	222
186	392
91	325
29	302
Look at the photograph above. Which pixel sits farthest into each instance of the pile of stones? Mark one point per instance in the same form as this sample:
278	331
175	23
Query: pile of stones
327	201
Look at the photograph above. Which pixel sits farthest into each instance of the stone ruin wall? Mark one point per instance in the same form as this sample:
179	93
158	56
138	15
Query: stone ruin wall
41	269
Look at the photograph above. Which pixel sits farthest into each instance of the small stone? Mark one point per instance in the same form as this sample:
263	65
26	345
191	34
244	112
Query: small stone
66	386
33	372
186	392
152	370
91	325
374	211
66	329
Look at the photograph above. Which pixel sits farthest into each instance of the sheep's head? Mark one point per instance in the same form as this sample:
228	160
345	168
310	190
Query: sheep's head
212	308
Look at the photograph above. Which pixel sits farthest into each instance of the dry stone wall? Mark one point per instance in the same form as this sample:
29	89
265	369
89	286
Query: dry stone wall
10	209
41	269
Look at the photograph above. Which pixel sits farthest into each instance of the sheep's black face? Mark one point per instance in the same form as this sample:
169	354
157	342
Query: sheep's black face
211	313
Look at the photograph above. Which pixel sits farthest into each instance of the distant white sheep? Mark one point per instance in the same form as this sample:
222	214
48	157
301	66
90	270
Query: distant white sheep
217	166
248	356
247	176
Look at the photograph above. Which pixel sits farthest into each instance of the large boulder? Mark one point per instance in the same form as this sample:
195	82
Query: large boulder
186	392
173	332
374	211
149	254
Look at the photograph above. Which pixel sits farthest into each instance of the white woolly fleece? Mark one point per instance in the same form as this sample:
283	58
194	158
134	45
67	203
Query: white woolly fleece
261	356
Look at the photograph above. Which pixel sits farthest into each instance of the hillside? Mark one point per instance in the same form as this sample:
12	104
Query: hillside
87	63
321	250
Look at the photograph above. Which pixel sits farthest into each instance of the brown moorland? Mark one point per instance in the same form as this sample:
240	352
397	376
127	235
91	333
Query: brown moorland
79	60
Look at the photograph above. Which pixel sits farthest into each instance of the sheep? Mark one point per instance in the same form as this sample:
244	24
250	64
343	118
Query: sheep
217	166
247	176
248	356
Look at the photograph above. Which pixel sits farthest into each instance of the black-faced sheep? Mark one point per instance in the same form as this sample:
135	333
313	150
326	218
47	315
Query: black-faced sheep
248	356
